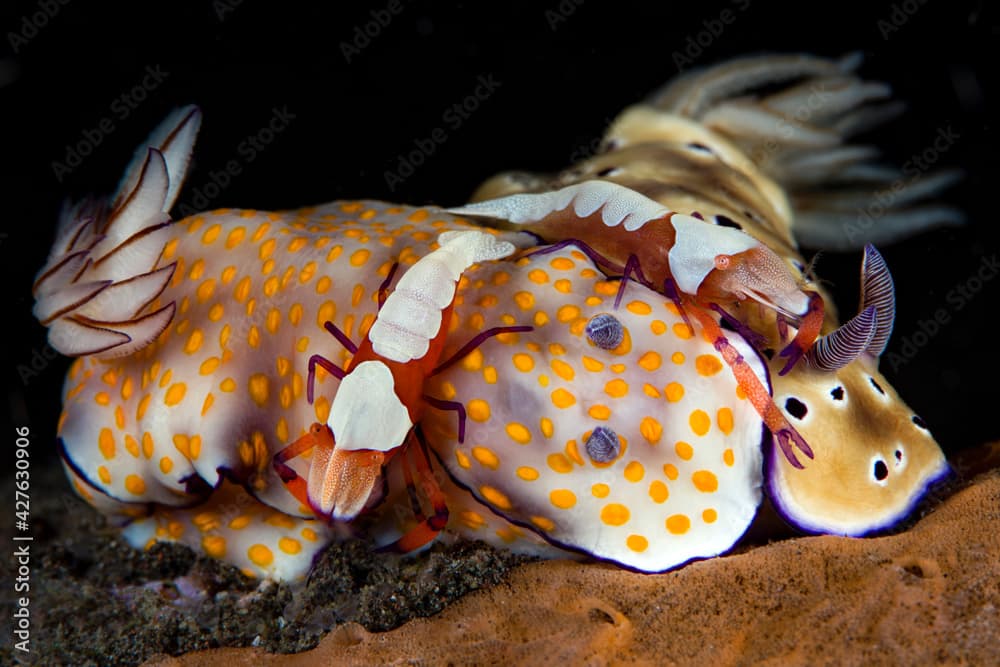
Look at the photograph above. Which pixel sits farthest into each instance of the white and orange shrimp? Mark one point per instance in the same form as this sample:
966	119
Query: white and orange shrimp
381	397
701	266
713	263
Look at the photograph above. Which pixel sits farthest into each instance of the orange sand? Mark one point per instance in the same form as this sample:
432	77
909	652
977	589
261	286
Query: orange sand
930	595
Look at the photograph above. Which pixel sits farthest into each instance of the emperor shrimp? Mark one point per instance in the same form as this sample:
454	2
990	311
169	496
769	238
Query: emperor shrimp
709	264
381	393
713	141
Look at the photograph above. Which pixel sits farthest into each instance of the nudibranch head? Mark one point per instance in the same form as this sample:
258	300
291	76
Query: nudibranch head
644	454
874	460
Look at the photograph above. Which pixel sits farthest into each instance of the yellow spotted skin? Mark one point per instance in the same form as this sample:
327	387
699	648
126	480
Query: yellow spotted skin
223	387
687	478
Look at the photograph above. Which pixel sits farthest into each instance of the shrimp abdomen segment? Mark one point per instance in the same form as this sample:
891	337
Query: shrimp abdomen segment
412	315
619	205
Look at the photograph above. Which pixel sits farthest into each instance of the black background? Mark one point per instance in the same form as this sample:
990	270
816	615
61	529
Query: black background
565	69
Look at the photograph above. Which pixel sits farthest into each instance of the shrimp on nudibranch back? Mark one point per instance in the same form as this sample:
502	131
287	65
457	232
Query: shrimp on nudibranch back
381	393
633	234
712	266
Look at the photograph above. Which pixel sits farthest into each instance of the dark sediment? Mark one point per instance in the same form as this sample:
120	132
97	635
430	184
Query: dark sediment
97	601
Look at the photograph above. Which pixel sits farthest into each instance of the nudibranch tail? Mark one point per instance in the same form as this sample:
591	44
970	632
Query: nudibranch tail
98	290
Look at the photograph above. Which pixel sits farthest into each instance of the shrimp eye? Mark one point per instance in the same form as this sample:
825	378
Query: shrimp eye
722	262
880	470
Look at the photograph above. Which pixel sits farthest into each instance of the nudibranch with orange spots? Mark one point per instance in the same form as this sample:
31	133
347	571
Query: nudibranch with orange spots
196	373
610	429
746	145
176	431
698	264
